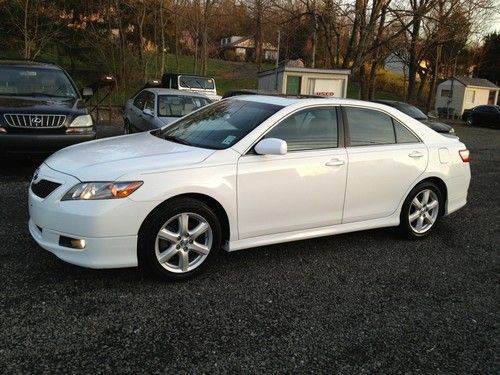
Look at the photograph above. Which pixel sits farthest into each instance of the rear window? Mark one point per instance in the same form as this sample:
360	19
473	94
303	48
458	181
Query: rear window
191	82
179	105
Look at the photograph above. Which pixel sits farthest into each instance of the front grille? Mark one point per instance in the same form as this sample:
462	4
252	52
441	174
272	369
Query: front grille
43	188
34	121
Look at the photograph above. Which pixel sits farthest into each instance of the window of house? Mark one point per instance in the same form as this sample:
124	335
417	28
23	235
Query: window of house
445	93
470	95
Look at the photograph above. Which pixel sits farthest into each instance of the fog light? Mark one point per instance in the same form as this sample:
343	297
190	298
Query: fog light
2	130
78	244
74	243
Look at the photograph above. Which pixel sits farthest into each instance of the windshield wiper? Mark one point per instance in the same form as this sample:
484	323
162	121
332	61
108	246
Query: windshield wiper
175	139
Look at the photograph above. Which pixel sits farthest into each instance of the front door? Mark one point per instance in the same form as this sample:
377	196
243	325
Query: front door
300	190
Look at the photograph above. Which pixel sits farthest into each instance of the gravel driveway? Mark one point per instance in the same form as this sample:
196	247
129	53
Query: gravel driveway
366	302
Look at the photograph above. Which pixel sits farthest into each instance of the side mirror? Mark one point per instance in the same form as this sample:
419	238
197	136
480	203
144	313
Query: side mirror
87	92
147	111
271	146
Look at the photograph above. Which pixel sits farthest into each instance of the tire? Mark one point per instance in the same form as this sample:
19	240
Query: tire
169	251
421	210
469	121
126	127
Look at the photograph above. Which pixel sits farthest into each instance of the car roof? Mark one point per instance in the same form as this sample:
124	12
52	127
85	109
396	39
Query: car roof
161	91
29	64
285	101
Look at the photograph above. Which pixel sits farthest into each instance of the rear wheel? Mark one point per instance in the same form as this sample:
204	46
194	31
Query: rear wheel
421	210
179	239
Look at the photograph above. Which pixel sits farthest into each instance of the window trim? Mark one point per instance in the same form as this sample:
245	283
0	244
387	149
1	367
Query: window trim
340	129
348	135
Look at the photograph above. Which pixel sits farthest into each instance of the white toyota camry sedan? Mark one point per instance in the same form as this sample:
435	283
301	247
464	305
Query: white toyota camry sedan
244	172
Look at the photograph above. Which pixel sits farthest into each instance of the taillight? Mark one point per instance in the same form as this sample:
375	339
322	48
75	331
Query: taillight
465	155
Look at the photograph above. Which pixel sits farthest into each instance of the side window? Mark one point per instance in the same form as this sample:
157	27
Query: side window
403	135
309	129
139	100
149	102
369	127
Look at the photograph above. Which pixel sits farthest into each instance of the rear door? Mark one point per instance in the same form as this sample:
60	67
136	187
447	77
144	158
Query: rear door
385	158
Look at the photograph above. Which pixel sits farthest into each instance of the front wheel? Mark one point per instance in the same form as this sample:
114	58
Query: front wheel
469	121
179	239
421	210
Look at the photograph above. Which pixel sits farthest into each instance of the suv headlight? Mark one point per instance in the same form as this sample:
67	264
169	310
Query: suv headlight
101	190
81	122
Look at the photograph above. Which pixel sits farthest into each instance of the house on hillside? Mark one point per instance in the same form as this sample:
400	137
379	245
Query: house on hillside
456	94
243	48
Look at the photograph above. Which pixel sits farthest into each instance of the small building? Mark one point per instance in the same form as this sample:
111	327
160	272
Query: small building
305	81
244	48
456	94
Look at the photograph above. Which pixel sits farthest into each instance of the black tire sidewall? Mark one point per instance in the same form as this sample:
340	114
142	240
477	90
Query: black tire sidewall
147	236
405	226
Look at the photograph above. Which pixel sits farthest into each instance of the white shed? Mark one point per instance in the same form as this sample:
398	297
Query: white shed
305	81
459	93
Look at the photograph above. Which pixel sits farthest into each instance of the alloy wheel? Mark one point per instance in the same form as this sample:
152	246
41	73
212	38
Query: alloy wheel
423	211
183	242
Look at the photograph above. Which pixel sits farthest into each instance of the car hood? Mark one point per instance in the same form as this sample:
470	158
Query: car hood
440	127
21	104
108	159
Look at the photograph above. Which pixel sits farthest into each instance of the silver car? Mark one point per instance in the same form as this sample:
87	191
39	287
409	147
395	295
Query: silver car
153	108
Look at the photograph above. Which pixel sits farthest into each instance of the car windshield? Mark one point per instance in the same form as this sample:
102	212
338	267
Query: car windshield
192	82
32	81
179	105
219	125
411	111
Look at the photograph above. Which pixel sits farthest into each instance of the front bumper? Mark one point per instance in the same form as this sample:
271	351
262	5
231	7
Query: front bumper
109	227
106	252
40	143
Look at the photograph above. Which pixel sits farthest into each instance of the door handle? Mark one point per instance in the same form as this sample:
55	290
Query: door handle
334	163
416	154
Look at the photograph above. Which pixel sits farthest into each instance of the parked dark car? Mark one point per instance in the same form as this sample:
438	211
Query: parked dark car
483	115
417	114
41	109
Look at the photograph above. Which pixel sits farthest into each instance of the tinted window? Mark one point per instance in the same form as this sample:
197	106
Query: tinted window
308	129
403	135
140	100
179	105
192	82
33	81
220	125
411	111
369	127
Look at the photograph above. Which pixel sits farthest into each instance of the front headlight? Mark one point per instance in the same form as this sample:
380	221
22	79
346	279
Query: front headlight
82	122
101	190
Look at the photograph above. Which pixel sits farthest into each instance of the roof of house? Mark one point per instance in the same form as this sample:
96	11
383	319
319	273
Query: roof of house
478	82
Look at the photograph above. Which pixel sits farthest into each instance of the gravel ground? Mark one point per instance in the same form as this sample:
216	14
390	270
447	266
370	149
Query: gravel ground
367	302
